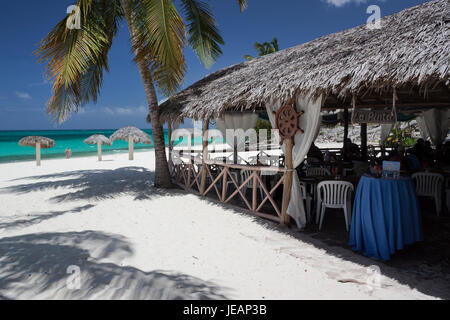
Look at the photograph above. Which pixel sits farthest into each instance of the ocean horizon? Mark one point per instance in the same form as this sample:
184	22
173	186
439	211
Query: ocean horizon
11	151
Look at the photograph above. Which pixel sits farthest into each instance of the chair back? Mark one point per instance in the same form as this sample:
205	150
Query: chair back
317	172
334	193
428	184
303	193
245	174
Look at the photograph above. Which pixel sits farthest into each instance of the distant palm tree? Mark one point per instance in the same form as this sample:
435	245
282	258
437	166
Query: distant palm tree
76	58
264	48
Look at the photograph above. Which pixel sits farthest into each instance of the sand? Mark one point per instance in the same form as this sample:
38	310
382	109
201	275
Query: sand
129	240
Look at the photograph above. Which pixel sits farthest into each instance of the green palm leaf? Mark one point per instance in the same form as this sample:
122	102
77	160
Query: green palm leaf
76	58
242	4
204	35
159	41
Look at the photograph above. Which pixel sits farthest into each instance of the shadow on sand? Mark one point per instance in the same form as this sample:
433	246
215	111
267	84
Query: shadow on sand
95	184
35	266
25	258
36	218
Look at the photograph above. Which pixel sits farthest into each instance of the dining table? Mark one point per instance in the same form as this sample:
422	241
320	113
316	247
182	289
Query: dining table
386	217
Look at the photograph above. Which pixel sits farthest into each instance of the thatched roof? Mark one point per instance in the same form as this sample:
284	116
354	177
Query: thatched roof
98	138
138	135
31	141
411	50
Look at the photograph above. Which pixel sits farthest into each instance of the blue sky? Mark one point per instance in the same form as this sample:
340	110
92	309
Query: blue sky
24	91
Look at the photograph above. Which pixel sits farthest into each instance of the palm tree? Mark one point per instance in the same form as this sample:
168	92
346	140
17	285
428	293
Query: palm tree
264	48
76	58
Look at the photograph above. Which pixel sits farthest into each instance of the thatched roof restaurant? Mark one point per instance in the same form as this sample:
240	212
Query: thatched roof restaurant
411	52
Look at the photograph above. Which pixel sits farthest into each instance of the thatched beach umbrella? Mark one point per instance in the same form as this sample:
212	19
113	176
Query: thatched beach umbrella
132	135
38	143
99	140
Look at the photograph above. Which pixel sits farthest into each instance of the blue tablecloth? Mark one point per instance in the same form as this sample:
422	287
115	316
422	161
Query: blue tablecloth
385	217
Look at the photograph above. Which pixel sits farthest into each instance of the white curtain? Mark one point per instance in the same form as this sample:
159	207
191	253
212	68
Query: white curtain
385	131
434	124
309	122
236	121
175	124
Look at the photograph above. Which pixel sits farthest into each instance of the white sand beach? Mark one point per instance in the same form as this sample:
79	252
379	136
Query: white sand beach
132	241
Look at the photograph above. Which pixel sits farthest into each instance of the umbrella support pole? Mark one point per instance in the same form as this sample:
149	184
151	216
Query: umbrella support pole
38	154
130	148
99	151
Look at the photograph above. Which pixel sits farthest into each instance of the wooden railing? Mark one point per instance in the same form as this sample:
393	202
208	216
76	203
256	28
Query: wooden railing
219	175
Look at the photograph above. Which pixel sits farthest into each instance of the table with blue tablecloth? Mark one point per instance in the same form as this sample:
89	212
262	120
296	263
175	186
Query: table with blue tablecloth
385	218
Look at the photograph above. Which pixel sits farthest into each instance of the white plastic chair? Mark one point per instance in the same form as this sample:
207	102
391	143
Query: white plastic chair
337	195
430	185
307	199
230	182
317	172
245	174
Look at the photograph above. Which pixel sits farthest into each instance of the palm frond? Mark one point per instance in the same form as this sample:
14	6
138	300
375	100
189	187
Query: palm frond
76	58
159	41
204	36
242	4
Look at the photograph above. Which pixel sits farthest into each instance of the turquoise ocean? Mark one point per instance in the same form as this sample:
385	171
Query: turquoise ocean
10	150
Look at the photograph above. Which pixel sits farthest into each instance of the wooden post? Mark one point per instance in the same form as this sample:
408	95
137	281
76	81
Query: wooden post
364	140
224	184
130	148
38	154
235	151
169	134
205	155
254	191
99	151
346	121
288	181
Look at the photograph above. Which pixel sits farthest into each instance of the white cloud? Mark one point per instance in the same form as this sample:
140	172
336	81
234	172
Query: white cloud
117	111
22	95
340	3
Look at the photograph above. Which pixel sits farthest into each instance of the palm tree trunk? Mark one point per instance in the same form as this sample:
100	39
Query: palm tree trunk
162	174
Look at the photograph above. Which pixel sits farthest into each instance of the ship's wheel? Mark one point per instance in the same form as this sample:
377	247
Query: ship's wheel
287	121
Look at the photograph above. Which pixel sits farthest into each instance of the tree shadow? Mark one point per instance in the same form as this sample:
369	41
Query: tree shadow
94	184
35	266
38	218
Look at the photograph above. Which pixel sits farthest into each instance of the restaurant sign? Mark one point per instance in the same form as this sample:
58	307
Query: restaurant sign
374	116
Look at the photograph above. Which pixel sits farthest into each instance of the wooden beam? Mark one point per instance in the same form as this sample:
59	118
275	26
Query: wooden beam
205	154
364	140
346	122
